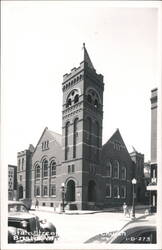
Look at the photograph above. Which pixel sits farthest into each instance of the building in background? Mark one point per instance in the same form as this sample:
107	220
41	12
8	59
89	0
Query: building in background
12	182
24	162
152	187
138	174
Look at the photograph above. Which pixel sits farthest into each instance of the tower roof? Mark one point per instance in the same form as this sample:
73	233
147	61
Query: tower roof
86	58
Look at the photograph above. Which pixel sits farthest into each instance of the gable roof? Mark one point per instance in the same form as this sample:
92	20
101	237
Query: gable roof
116	136
56	136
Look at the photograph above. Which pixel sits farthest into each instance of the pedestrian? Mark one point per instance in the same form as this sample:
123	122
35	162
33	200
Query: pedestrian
36	204
125	209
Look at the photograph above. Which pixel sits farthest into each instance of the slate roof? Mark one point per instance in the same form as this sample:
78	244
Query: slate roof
57	137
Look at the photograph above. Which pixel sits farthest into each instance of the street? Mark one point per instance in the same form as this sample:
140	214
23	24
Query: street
78	228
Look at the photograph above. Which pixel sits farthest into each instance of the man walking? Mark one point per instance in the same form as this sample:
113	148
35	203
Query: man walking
125	209
36	204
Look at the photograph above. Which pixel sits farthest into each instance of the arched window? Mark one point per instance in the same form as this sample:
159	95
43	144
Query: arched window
72	98
45	168
123	192
108	190
37	172
19	163
45	190
116	191
22	163
53	168
75	136
37	191
123	173
89	135
108	169
116	169
88	129
93	98
66	139
96	133
53	189
96	139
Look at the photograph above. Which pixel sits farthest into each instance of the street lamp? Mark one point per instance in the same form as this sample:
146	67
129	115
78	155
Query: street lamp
134	181
63	196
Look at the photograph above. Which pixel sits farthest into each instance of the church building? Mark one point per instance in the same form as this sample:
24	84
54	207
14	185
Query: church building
92	175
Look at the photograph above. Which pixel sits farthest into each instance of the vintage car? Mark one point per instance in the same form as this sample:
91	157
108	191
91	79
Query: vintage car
25	227
142	231
138	231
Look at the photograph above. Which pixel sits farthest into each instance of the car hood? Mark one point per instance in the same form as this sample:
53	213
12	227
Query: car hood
20	215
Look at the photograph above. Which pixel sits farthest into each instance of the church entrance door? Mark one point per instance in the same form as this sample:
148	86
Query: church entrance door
91	191
70	195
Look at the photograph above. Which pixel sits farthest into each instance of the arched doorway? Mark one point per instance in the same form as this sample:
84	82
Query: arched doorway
20	192
70	194
91	191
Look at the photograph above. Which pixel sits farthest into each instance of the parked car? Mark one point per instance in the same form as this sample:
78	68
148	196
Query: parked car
139	231
24	227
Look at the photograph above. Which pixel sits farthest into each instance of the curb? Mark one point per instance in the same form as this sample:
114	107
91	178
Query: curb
113	210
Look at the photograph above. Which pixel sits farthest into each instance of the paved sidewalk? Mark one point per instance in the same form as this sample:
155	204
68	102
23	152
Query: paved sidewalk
140	210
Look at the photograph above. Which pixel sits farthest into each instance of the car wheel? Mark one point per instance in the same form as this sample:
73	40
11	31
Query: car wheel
50	238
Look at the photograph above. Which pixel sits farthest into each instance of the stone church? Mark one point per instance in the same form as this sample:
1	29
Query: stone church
93	175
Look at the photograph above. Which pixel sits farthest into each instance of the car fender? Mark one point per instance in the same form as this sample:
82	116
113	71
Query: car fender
48	226
11	232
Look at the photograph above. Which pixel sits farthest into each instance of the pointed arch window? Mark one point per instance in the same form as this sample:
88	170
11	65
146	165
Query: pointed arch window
108	169
96	131
53	168
37	172
45	190
123	192
108	190
75	136
45	168
53	189
67	126
19	163
116	191
89	135
37	190
123	173
22	163
116	169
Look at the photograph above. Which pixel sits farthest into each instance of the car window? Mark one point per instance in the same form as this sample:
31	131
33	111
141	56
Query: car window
17	208
141	238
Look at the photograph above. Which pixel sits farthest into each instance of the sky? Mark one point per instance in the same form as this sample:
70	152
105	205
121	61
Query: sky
42	41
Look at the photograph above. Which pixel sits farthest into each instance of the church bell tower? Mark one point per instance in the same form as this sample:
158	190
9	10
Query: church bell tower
82	116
